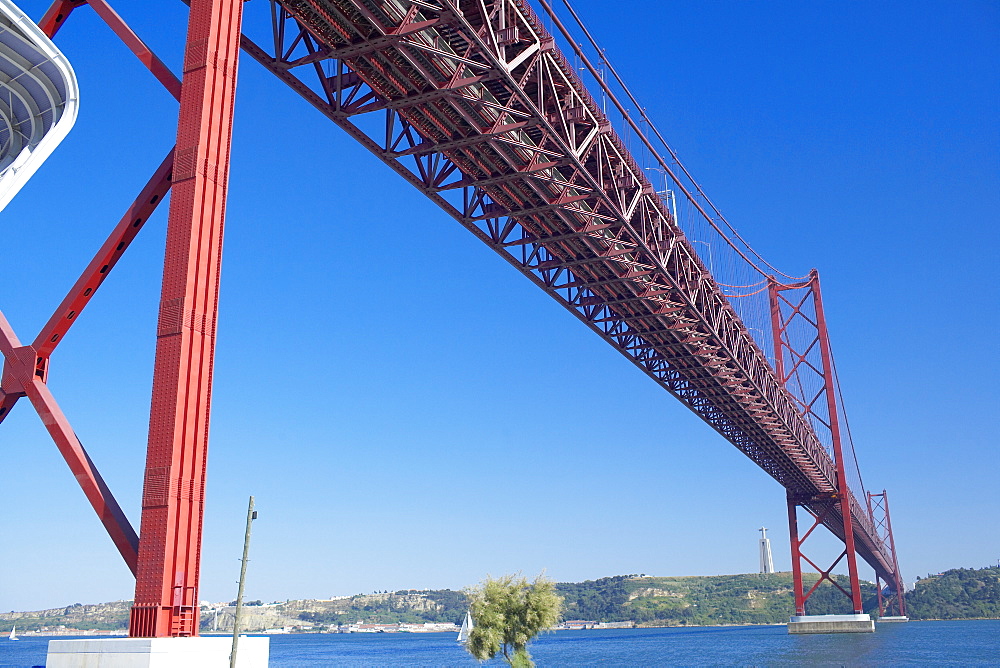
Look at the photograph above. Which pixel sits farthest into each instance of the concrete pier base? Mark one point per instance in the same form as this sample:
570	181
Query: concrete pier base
894	618
832	624
200	652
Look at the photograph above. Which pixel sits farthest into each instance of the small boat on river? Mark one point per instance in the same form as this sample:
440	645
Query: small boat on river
463	633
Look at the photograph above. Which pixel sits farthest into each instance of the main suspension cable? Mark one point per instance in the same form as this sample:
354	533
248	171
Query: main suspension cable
645	140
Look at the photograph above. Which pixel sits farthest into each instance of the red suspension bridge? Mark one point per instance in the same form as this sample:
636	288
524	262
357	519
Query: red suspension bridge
529	138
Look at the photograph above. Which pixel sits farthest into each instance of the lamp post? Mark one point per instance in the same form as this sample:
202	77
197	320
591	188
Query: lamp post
251	516
667	195
711	264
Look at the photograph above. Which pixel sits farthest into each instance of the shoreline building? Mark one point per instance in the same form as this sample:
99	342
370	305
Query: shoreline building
766	561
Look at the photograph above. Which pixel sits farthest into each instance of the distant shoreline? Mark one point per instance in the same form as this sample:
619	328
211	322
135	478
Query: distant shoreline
40	636
436	633
626	600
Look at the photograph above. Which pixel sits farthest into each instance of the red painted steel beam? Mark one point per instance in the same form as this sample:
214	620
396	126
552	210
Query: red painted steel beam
20	363
166	598
57	14
885	525
86	286
843	496
10	392
900	586
844	493
137	46
25	367
777	331
106	258
793	534
133	220
60	10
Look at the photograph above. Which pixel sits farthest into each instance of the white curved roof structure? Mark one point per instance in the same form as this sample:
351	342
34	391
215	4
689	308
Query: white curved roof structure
39	98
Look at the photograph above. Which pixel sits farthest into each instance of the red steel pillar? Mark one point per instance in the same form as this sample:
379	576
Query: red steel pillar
885	525
779	325
838	450
900	586
793	534
777	329
793	522
166	596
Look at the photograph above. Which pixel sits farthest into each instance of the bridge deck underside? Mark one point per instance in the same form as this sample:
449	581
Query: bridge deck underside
480	103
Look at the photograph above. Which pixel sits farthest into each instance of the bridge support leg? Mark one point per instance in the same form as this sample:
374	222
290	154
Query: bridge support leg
844	494
818	508
793	534
20	374
814	356
878	510
166	598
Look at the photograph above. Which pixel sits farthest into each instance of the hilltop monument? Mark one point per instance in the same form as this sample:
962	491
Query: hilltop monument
766	562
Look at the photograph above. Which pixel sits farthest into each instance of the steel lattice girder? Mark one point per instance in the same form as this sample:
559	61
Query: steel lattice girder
480	100
596	202
546	182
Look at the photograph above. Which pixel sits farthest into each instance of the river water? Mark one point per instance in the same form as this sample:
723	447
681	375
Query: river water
967	643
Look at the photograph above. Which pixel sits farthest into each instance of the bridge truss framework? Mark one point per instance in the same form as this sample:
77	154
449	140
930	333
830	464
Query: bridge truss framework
473	104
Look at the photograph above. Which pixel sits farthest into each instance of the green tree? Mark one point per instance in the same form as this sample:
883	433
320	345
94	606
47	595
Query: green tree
507	613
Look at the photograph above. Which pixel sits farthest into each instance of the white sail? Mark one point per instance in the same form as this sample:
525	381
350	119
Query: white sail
13	636
463	634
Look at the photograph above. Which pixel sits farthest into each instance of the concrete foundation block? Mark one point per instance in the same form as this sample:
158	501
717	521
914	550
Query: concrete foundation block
894	618
832	624
200	652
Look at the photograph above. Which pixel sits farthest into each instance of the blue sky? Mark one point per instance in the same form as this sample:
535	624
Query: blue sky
411	412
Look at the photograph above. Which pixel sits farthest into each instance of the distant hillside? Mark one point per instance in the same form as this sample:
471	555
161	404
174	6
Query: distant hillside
99	617
407	605
961	593
698	600
382	608
648	601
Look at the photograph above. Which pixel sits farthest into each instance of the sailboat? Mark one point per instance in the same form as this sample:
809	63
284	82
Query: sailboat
463	634
12	636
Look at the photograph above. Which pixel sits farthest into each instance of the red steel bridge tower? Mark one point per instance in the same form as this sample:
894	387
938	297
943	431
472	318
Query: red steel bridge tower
474	103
